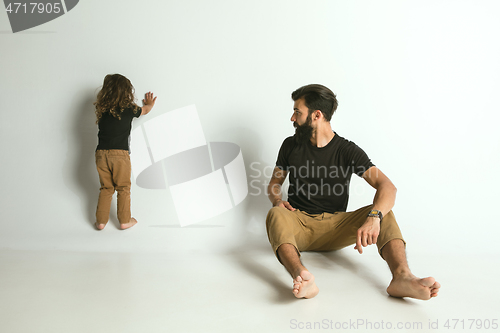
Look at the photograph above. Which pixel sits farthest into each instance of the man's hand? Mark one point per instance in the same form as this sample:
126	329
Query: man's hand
368	233
284	204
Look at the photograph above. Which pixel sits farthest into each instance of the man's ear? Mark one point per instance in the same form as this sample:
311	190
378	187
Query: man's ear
317	115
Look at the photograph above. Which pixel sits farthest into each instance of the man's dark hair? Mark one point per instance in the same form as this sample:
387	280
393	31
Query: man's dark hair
317	97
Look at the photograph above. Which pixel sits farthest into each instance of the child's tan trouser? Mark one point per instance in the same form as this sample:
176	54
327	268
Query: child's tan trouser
114	171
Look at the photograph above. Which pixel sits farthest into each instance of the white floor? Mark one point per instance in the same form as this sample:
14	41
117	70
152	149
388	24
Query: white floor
241	290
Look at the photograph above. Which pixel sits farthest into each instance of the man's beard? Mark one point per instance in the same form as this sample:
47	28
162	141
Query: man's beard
304	132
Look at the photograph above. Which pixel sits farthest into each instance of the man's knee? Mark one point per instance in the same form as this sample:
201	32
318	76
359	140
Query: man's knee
390	215
276	216
389	231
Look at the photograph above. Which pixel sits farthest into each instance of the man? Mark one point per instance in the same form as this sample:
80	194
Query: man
320	164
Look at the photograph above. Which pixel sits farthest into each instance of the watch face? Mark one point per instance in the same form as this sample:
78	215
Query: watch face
374	212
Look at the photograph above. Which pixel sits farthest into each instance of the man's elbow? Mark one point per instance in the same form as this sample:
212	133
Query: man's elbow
389	186
393	189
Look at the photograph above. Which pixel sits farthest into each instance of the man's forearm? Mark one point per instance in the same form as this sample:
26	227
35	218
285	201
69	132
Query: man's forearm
385	198
274	193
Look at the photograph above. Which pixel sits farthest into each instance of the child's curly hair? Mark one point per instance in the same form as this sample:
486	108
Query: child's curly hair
116	94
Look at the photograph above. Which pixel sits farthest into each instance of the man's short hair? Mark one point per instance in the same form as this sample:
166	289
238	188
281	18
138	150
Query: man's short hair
317	97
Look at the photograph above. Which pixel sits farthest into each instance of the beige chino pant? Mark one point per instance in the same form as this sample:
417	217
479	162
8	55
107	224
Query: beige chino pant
114	171
326	231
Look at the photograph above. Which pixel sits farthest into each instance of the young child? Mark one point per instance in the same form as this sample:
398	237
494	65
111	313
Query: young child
115	109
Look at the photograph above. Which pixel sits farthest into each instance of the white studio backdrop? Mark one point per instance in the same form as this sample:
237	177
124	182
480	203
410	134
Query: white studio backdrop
417	84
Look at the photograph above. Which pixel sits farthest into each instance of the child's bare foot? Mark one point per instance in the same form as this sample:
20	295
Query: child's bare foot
130	224
304	285
411	286
99	226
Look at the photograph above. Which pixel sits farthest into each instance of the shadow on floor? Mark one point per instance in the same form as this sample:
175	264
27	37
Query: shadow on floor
283	293
337	258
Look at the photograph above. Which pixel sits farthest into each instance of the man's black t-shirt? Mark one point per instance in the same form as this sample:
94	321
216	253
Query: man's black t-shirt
113	132
320	177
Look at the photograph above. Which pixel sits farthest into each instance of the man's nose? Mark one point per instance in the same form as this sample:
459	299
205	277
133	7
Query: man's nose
293	118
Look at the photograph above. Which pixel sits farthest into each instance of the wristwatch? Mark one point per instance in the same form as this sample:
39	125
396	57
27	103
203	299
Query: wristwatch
376	213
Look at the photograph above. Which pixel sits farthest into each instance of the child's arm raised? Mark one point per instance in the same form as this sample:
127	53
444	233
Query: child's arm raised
148	102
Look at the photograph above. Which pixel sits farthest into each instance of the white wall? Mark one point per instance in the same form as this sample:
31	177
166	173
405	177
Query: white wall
417	83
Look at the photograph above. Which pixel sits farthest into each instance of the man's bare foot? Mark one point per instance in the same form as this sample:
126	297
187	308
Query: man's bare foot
408	285
130	224
99	226
304	285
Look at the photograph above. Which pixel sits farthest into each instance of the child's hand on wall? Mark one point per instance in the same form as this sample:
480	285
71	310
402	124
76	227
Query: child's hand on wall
149	102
